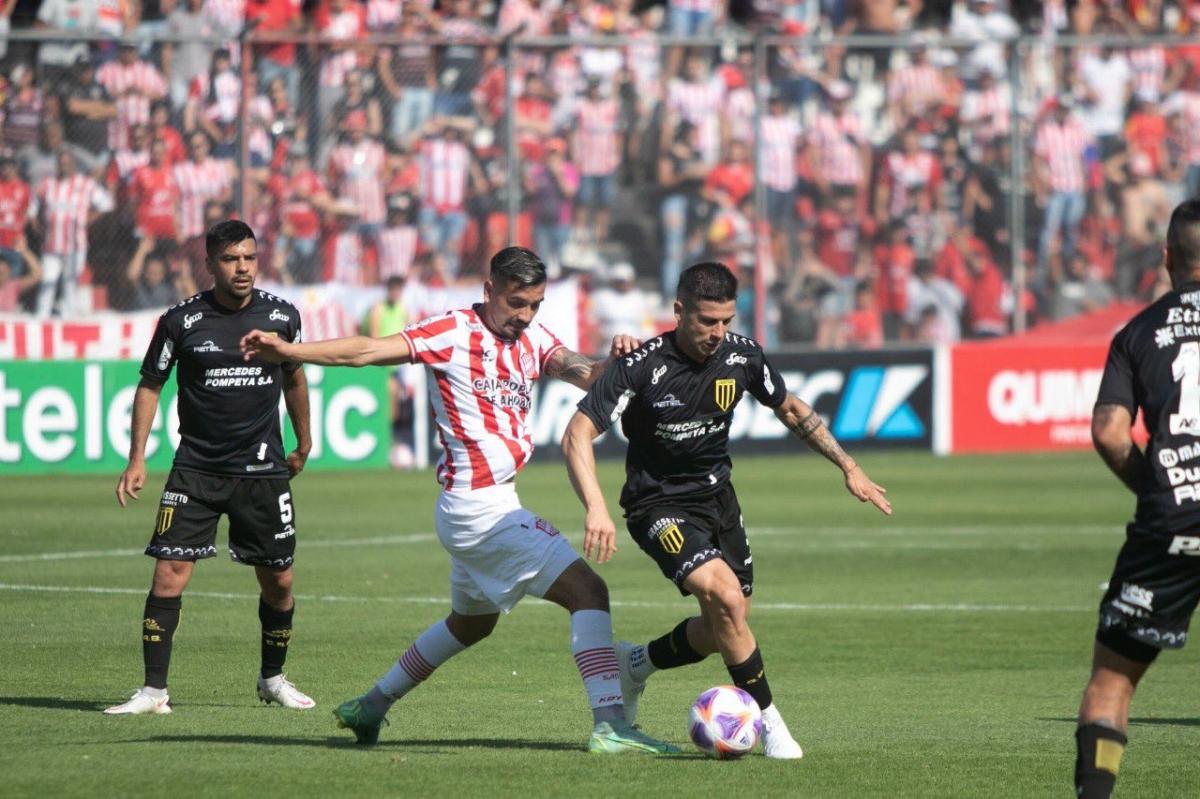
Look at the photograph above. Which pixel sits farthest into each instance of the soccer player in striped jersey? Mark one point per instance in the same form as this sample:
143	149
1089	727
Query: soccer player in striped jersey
483	362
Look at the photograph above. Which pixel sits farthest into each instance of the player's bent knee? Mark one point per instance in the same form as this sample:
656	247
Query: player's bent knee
470	630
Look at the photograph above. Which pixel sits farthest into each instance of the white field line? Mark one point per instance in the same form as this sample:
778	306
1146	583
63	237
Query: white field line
916	607
800	533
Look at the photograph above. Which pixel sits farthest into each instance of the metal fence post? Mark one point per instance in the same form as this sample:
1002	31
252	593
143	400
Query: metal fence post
510	130
1016	196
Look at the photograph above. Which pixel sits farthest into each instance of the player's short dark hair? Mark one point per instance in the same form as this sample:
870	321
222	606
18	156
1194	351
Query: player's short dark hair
1183	234
708	280
222	234
517	265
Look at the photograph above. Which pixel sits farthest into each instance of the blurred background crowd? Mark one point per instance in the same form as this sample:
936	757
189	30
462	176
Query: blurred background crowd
875	170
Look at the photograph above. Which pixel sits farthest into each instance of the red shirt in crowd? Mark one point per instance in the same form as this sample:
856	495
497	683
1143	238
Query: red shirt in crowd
736	180
155	196
275	16
894	263
1147	133
14	205
837	241
985	302
292	194
864	328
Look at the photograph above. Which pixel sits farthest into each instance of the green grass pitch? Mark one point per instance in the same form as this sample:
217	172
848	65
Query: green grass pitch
939	653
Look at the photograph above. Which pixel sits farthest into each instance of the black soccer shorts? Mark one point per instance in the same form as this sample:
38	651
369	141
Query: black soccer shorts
1153	591
681	535
262	519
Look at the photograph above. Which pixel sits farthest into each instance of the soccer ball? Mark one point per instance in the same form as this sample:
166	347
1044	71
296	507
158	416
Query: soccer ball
725	722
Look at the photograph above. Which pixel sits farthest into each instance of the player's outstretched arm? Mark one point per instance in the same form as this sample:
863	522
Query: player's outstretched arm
1112	435
802	420
145	405
295	397
599	532
582	371
349	351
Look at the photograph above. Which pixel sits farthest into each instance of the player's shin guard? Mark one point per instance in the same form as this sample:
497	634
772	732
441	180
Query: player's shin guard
673	649
1099	749
431	649
750	676
160	618
276	634
592	646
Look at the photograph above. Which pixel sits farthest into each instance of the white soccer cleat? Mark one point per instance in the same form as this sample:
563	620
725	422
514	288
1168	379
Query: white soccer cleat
631	689
277	689
777	741
141	702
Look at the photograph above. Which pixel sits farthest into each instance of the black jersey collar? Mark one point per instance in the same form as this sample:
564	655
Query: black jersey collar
211	297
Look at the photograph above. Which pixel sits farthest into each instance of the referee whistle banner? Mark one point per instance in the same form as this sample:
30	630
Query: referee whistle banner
74	416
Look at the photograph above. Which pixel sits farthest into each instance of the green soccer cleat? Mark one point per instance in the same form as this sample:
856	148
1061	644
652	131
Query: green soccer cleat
351	715
614	738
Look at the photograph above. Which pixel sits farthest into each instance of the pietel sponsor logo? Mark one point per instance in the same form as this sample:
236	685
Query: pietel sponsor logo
1062	398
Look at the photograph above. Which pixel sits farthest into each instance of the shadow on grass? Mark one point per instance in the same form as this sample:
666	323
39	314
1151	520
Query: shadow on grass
1141	721
428	744
52	703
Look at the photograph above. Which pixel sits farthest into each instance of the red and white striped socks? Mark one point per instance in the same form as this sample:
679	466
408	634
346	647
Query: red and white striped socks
431	649
592	646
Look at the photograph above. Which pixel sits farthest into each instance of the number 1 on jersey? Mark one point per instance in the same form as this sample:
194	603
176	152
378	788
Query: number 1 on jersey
1185	370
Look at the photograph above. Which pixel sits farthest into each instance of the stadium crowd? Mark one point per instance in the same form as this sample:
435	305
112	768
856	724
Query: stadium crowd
368	141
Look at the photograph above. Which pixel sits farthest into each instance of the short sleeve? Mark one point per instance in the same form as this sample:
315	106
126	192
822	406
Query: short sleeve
160	355
294	336
431	341
765	383
609	396
1116	385
548	344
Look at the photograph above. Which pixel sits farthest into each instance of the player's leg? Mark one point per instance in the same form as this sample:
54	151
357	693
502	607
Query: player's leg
262	534
1100	737
185	529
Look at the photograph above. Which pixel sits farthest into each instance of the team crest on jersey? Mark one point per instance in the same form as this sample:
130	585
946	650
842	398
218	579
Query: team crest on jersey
725	391
527	366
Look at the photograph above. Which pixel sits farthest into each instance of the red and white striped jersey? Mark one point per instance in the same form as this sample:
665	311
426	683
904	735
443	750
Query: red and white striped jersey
1061	148
780	133
481	391
1191	123
125	163
1149	65
517	13
908	175
64	205
198	183
397	250
596	150
356	172
700	103
839	139
349	25
383	14
444	166
14	208
987	112
133	86
915	88
230	15
344	258
739	110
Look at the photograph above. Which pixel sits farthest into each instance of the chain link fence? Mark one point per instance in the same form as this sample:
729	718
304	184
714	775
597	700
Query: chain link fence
865	190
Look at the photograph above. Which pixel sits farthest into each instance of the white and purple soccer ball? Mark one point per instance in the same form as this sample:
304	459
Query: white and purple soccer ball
725	722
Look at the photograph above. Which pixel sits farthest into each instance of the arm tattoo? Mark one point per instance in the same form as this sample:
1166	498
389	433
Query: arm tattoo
814	432
571	367
806	426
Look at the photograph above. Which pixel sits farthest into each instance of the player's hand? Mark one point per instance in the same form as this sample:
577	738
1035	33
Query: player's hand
131	482
599	536
866	490
623	345
264	346
295	462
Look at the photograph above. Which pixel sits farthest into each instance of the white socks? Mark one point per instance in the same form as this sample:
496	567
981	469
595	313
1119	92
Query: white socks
592	645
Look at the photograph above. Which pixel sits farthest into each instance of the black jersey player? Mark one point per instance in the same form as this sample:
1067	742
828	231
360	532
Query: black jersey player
1153	366
675	397
230	460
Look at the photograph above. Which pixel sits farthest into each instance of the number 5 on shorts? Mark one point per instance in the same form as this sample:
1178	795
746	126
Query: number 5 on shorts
285	507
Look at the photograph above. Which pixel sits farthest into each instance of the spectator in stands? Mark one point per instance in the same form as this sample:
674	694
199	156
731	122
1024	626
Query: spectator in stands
914	90
732	180
277	61
154	194
680	176
357	99
803	284
1060	150
191	55
13	283
215	106
1105	85
40	161
63	207
126	160
14	209
57	59
459	67
340	24
153	285
161	128
620	306
781	136
408	74
840	150
1080	290
448	170
23	110
698	97
1145	209
693	17
956	171
910	180
986	111
201	179
356	174
1189	107
400	240
862	327
88	110
133	84
552	187
840	234
597	155
894	263
926	292
982	22
300	198
987	297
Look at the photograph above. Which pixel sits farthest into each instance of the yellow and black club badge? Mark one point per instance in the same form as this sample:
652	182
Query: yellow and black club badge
671	539
725	390
166	515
